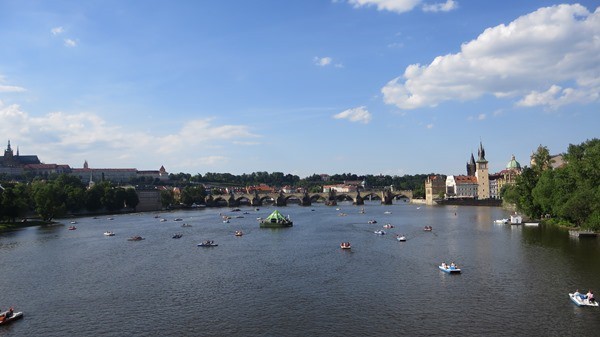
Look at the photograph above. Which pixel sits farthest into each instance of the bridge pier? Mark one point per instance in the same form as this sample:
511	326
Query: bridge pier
358	200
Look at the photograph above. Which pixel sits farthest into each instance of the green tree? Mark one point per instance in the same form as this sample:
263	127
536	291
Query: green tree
48	199
131	198
167	198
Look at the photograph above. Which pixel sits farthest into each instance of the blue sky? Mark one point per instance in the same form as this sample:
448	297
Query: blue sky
344	86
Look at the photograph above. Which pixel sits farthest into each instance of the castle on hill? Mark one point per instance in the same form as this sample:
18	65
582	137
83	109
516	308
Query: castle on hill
15	165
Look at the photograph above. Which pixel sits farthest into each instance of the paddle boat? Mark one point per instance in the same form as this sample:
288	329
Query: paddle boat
450	269
387	212
427	228
581	300
379	232
345	245
388	226
238	233
8	316
135	238
73	222
207	243
109	233
163	220
401	238
178	219
371	222
186	225
501	221
72	228
177	236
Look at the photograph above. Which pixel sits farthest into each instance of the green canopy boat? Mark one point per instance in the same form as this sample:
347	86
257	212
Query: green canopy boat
276	220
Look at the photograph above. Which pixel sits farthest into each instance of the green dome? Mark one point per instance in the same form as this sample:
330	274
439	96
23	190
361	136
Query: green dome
513	164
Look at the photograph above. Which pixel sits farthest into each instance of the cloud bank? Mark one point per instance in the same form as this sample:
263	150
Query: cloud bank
550	57
73	138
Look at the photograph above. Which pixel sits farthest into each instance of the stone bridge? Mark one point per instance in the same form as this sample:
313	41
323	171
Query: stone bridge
306	198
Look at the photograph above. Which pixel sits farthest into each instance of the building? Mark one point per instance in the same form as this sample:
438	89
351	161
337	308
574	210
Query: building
341	188
434	187
14	164
461	186
482	175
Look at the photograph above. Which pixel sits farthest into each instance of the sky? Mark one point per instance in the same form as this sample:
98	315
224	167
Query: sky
304	87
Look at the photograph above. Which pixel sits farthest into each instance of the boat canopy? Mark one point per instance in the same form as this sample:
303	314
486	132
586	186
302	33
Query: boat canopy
276	217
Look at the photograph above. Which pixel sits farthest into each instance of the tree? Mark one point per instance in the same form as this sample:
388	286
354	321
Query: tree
167	198
13	202
131	198
48	199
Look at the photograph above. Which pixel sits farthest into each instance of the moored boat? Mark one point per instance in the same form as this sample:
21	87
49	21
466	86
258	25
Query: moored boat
276	220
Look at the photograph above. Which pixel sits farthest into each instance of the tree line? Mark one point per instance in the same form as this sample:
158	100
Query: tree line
567	195
64	194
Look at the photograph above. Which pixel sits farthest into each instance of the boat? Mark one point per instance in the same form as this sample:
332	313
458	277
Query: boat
276	220
581	301
225	221
532	224
135	238
110	219
238	233
450	269
109	233
178	219
372	221
387	212
12	316
177	236
427	228
345	245
388	226
73	222
362	211
163	220
379	232
72	228
501	221
207	243
401	238
186	225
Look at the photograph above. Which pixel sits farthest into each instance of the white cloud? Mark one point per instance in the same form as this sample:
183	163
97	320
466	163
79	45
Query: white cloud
64	138
359	114
70	43
57	30
326	61
441	7
553	46
481	117
429	126
9	88
398	6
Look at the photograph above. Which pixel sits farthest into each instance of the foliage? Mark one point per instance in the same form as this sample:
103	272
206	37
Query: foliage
568	194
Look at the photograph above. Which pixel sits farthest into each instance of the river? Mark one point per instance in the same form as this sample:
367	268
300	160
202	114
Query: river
297	281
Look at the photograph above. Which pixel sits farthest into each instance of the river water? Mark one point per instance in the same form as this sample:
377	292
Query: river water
297	281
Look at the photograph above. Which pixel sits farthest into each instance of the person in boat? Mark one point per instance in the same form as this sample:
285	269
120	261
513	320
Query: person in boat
590	296
453	265
579	295
444	265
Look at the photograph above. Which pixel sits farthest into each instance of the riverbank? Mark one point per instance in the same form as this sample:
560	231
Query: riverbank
11	226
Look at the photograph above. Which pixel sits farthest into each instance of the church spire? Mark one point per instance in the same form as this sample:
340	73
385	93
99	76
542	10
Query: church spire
481	152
